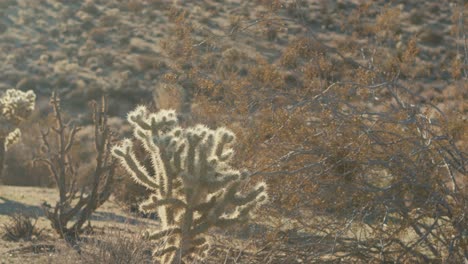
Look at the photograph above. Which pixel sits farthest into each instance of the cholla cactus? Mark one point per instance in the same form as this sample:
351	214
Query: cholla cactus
15	107
194	186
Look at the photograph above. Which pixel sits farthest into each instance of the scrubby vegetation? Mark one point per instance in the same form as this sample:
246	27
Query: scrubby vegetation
353	114
77	200
21	227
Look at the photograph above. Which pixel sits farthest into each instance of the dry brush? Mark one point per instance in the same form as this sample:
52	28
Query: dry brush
76	201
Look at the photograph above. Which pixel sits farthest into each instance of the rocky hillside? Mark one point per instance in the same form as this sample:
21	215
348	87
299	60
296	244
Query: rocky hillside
123	48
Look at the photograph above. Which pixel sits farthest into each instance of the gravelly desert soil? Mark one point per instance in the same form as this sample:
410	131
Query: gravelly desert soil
28	200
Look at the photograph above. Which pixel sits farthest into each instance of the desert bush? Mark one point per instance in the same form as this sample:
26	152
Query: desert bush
15	106
76	203
21	227
194	187
359	163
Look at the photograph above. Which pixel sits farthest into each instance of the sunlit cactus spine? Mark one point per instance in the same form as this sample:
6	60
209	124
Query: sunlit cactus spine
15	106
194	185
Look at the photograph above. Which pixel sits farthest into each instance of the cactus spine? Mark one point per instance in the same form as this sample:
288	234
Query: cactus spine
15	106
194	186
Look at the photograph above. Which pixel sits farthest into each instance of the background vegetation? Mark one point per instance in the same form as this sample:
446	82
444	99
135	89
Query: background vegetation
352	112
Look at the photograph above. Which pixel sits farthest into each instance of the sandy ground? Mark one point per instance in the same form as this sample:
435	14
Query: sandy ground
28	200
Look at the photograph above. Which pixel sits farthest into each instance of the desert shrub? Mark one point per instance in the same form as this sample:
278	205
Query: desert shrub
359	162
76	203
21	227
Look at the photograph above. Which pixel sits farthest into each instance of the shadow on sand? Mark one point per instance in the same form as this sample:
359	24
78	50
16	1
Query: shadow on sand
10	207
112	217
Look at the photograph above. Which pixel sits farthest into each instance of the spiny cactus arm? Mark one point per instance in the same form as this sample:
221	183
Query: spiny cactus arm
152	204
217	216
170	231
212	218
146	137
163	121
224	137
204	169
226	156
199	245
242	213
194	139
164	251
12	138
199	241
258	194
206	206
213	184
138	172
138	118
202	145
239	216
177	159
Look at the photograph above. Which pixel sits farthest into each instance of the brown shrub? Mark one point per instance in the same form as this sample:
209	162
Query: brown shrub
358	162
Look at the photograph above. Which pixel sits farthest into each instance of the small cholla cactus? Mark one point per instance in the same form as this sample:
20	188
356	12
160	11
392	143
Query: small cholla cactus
194	186
15	107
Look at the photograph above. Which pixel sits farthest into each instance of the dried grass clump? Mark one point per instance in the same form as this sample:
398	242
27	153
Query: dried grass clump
301	49
21	227
117	247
